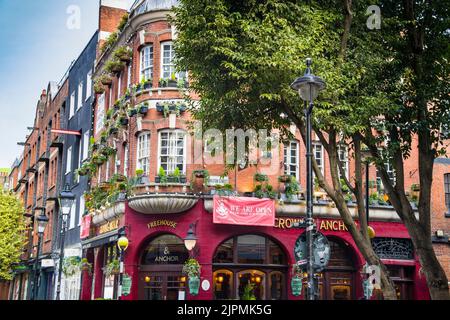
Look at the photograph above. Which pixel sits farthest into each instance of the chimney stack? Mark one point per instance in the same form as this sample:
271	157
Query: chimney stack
111	12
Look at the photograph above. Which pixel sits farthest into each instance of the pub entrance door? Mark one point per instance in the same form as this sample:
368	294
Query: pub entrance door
162	286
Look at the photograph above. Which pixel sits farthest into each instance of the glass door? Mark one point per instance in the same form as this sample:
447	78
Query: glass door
163	286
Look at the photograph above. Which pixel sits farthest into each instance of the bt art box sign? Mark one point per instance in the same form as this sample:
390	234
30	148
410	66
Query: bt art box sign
244	211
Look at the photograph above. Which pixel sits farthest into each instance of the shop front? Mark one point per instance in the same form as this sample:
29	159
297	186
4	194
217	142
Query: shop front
248	262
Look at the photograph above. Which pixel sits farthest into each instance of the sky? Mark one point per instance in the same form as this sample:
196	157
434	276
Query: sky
38	41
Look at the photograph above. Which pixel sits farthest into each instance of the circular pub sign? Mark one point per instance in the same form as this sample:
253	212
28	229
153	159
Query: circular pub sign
321	251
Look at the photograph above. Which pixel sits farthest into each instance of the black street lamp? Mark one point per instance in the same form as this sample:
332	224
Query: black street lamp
66	200
191	239
42	221
122	244
308	88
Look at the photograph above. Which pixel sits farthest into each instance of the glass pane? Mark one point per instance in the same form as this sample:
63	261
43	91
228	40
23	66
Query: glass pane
276	254
224	253
166	249
251	286
223	282
276	286
251	249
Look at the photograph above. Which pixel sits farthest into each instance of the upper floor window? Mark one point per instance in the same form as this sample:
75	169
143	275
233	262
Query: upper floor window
143	152
318	155
119	85
69	160
125	160
80	95
129	76
172	154
389	169
100	113
89	84
447	190
146	63
343	157
85	146
168	70
291	157
72	105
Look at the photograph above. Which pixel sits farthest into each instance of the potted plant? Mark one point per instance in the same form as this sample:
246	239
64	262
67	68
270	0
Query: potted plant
112	268
292	189
105	79
163	83
373	198
123	53
132	112
297	280
114	66
248	292
98	87
192	269
284	178
261	177
143	108
113	130
162	176
182	83
146	84
173	81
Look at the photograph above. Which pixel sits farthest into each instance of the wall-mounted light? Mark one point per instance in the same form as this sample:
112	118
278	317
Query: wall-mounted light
191	238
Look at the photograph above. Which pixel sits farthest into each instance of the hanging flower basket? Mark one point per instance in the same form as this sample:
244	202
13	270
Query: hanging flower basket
132	112
112	268
192	269
194	285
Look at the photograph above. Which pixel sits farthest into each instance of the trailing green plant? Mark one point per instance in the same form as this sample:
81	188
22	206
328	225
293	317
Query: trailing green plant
248	292
112	268
86	265
292	188
105	79
114	66
71	266
123	22
162	175
261	177
98	87
110	41
192	268
139	172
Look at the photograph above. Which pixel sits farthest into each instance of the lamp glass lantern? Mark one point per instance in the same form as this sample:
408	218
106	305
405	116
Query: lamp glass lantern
66	200
191	239
42	221
308	86
122	243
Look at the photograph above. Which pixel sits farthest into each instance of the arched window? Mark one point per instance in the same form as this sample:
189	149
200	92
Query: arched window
147	62
165	249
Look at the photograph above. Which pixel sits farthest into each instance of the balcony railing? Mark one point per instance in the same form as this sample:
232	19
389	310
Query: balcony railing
152	5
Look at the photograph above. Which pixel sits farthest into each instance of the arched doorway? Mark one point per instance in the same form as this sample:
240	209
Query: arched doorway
249	267
337	281
160	270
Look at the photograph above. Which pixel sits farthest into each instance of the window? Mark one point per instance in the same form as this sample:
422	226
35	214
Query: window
80	95
85	146
125	161
143	152
129	76
73	214
100	113
82	208
390	171
89	84
107	169
172	150
251	249
119	85
69	160
447	190
110	97
168	67
72	105
146	63
318	154
291	157
343	157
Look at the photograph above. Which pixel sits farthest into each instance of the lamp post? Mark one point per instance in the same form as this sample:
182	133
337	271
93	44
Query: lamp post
191	239
308	88
122	244
66	200
366	158
42	221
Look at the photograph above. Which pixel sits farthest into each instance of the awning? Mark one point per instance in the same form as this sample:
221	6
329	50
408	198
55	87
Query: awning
100	240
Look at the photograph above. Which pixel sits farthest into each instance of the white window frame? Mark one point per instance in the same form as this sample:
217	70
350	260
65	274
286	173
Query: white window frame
108	167
143	152
100	116
343	159
69	160
82	208
80	95
111	103
171	65
316	144
72	105
147	52
171	166
125	161
119	85
88	85
86	140
287	157
73	214
129	76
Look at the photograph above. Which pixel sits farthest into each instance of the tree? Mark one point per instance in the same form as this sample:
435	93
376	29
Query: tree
243	57
12	229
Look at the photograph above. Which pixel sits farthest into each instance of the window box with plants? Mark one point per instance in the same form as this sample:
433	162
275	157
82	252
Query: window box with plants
99	159
225	190
143	108
132	112
114	66
145	84
170	107
123	53
123	121
291	190
106	79
265	191
99	87
127	94
261	177
284	178
113	130
192	269
175	177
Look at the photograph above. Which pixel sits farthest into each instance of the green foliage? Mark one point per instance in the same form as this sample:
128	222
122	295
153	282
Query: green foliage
71	266
112	268
292	188
192	268
12	233
123	22
110	41
163	179
248	292
260	177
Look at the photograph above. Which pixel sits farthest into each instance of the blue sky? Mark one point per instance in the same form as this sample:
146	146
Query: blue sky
35	47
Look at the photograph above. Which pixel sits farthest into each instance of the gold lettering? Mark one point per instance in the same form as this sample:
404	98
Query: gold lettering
323	225
289	223
281	223
158	223
342	226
